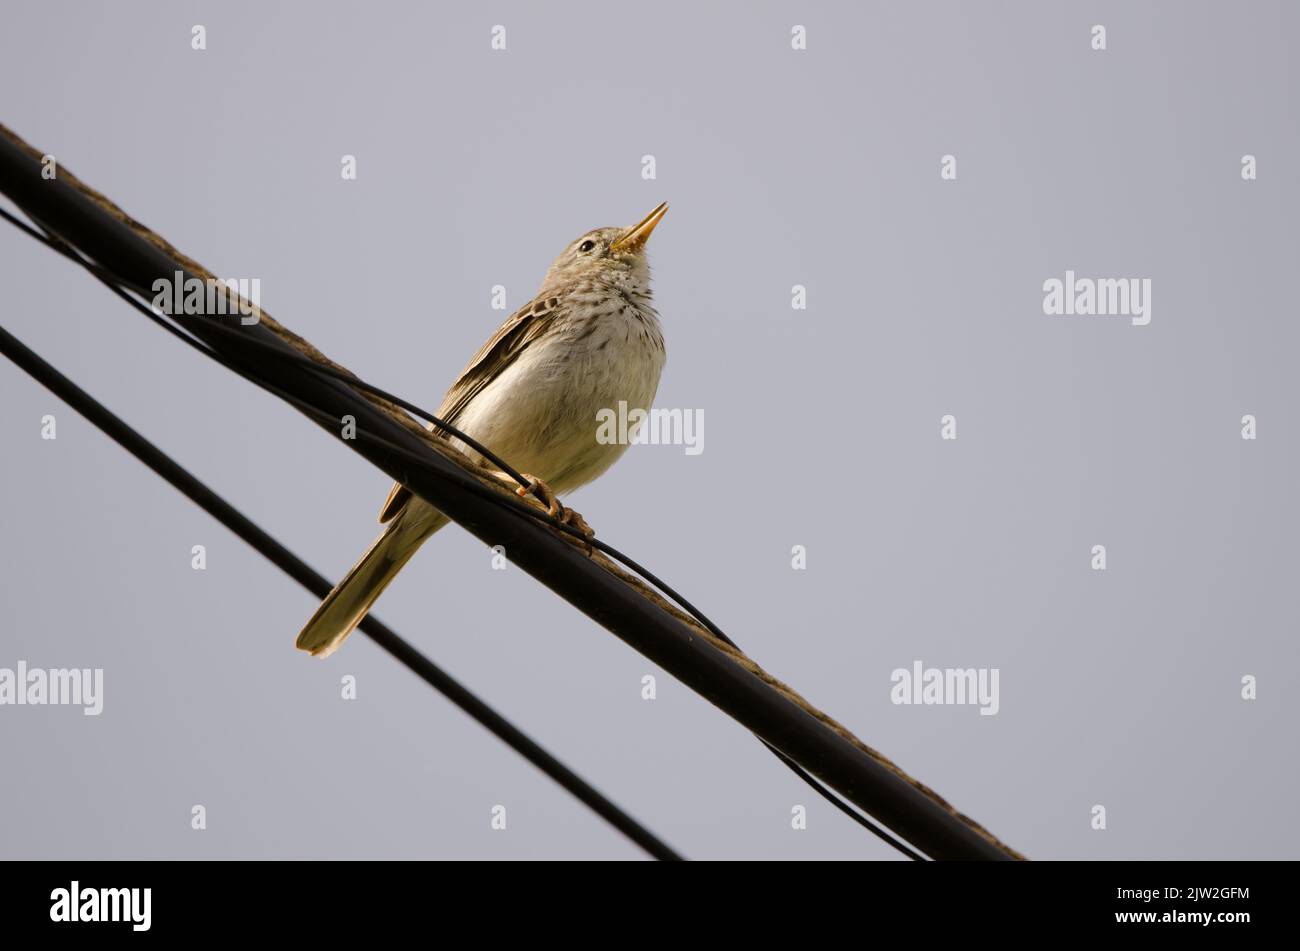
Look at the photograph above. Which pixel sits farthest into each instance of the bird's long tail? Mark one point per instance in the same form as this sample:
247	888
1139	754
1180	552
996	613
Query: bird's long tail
350	601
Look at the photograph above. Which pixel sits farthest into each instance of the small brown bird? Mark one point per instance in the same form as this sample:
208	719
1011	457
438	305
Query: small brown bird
589	339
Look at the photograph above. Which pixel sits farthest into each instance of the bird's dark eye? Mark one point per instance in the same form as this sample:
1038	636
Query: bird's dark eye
586	246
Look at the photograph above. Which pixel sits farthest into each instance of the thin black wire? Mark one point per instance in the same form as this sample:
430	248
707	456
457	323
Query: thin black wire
118	286
243	527
121	288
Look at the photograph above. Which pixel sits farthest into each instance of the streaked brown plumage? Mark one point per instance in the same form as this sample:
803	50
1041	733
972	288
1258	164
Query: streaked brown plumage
589	339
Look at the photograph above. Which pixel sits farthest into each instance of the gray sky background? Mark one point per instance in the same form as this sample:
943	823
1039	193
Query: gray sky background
818	167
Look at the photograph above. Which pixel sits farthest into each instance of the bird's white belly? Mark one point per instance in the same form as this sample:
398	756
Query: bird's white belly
540	415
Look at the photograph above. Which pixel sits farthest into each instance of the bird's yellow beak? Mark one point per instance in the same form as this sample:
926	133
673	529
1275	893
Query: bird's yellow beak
637	236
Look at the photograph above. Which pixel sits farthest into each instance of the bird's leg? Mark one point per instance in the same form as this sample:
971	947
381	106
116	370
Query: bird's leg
543	492
569	517
546	495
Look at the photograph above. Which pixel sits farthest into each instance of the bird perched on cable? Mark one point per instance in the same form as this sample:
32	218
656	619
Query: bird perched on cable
589	339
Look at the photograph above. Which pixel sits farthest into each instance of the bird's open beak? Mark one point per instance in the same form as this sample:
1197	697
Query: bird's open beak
637	236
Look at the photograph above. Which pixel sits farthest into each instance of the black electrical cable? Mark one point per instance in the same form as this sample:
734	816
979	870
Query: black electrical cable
207	499
123	289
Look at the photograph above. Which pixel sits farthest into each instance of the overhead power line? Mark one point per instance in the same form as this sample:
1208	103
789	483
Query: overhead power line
696	653
216	506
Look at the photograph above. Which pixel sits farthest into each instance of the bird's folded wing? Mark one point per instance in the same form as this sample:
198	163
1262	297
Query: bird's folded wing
501	350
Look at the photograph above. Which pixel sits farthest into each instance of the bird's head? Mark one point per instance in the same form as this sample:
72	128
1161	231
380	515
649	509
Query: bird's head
614	256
